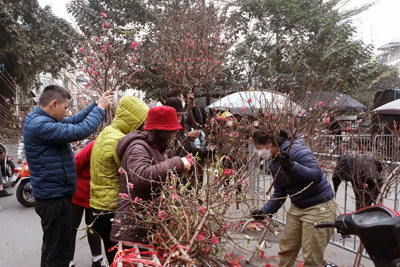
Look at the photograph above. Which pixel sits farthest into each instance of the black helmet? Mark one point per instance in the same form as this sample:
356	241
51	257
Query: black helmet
176	104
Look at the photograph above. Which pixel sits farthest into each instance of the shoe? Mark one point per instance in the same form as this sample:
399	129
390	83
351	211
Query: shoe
99	263
4	193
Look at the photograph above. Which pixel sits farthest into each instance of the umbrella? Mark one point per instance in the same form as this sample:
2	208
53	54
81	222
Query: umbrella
391	108
331	100
248	102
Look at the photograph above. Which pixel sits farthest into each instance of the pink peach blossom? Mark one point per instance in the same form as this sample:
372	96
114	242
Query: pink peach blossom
162	214
202	210
206	249
134	45
214	240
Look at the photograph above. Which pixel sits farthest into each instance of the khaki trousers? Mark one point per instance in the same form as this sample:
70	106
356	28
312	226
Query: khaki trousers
300	232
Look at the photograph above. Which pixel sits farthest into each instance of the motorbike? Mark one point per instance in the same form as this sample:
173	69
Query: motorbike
378	228
6	165
24	192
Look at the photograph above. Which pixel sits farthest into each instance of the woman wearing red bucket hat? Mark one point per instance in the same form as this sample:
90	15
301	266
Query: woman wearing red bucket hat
142	157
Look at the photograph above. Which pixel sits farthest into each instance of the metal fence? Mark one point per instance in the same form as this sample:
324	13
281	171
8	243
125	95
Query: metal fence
327	149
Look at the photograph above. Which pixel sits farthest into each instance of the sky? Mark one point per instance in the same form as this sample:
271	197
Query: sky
378	25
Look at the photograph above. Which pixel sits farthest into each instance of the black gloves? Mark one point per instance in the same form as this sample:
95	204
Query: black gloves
257	215
286	163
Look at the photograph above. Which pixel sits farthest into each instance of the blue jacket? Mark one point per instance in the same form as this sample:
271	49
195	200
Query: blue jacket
48	153
304	171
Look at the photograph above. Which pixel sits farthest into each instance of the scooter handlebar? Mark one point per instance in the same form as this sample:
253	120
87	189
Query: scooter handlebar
324	224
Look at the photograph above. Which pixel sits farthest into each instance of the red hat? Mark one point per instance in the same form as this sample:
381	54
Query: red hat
162	118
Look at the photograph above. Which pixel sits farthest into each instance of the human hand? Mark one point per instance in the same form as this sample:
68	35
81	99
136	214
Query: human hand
193	134
190	98
186	164
285	161
106	100
257	215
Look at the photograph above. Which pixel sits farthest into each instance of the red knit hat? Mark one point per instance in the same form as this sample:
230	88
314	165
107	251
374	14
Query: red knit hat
162	118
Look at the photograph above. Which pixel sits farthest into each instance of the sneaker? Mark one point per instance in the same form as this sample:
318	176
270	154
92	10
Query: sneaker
4	193
99	263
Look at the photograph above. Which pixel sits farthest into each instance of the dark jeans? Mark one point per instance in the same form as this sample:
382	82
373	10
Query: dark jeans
102	225
55	215
93	238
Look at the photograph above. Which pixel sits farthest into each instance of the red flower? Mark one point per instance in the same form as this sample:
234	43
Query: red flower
162	214
175	197
327	120
206	249
200	237
134	45
250	100
227	226
82	50
215	240
202	210
123	195
320	103
96	39
104	15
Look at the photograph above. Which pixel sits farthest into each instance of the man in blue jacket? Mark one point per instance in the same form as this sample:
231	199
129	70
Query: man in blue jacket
47	135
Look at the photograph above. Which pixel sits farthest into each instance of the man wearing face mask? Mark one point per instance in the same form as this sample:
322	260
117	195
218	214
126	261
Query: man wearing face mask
296	174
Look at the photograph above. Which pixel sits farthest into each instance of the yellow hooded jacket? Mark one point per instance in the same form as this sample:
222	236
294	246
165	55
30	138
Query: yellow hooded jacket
131	113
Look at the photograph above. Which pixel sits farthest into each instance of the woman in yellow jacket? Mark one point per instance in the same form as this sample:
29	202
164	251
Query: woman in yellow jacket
130	115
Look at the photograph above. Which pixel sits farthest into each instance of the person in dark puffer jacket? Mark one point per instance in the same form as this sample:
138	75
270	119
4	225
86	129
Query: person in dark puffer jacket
47	135
298	176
